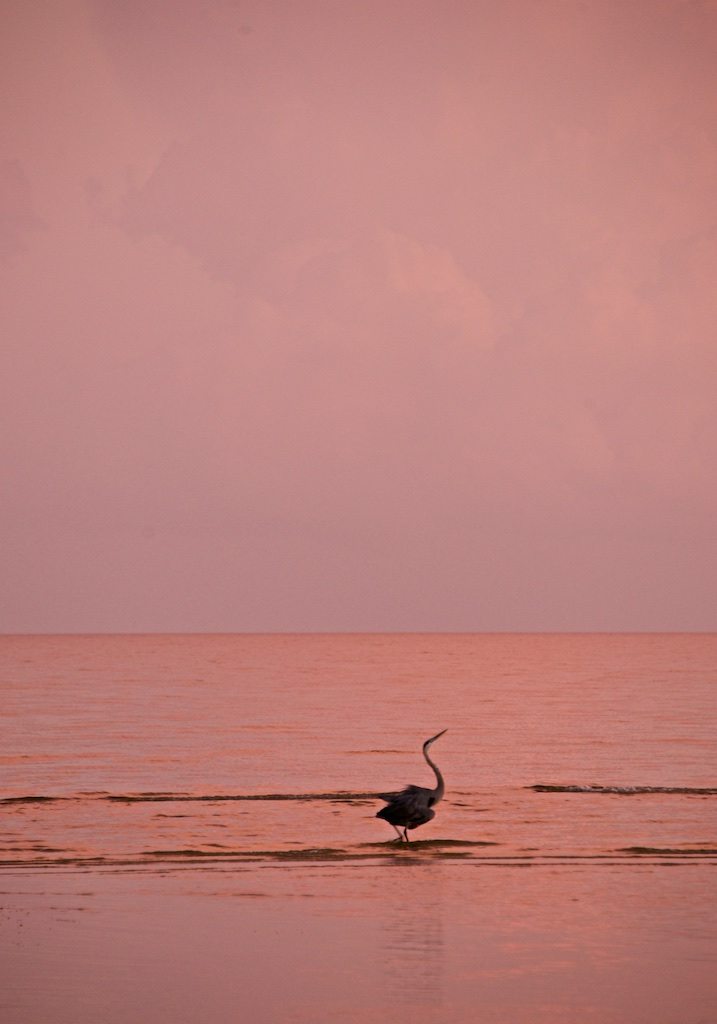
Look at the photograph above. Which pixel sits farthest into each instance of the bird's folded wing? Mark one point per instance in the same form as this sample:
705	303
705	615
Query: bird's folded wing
408	795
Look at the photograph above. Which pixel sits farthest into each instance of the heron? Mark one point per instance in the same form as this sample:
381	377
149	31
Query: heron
413	806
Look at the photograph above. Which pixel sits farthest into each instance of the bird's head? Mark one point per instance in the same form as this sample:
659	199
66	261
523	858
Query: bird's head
433	739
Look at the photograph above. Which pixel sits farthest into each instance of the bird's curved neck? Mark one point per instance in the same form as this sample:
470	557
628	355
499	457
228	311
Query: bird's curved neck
440	784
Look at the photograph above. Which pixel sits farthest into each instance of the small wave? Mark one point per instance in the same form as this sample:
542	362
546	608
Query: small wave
666	851
625	790
30	799
437	844
159	797
434	849
187	797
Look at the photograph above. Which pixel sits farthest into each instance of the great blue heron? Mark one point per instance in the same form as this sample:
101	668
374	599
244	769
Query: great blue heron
413	806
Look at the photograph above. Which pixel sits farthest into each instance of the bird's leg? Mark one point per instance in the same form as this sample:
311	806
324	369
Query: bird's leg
405	835
398	833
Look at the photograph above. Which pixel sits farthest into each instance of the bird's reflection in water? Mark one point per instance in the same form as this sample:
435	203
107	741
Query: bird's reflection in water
413	943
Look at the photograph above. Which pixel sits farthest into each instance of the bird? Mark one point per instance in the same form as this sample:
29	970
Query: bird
413	806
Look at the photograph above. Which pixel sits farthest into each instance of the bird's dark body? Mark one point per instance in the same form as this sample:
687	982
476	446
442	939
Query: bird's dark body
413	806
410	808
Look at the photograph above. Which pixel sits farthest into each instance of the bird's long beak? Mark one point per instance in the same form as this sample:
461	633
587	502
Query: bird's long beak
434	738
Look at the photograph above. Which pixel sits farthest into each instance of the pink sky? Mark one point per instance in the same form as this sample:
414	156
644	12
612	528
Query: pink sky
390	315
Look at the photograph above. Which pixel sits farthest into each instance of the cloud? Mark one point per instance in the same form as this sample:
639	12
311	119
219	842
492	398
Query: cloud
362	317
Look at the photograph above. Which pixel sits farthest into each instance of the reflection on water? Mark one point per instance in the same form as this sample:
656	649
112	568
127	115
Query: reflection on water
413	939
402	940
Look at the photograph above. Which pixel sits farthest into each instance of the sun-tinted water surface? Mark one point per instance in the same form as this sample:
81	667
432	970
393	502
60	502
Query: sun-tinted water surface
188	829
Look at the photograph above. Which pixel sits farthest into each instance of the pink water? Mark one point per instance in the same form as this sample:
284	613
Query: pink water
188	829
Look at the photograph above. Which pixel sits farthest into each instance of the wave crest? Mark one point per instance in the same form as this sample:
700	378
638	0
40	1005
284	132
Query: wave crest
540	787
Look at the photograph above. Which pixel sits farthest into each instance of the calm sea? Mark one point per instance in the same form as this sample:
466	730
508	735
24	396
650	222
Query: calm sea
188	829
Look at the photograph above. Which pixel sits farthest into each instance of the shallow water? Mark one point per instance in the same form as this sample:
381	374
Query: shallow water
197	814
